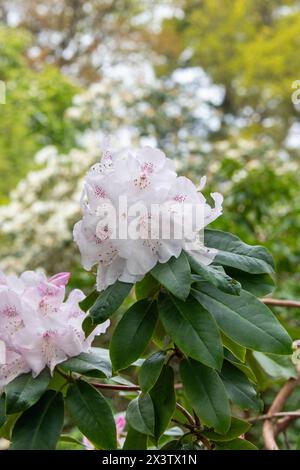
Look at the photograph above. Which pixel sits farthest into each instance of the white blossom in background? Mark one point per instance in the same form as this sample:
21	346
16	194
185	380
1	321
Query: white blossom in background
141	178
39	328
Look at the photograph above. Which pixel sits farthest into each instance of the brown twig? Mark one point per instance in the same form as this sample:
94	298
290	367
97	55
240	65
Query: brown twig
288	414
280	303
185	413
283	423
269	430
121	388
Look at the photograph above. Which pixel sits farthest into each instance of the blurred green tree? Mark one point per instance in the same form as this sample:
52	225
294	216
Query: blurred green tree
33	115
251	49
78	36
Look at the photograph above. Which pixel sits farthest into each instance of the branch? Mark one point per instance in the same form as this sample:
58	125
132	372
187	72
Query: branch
283	423
286	414
281	303
124	388
185	413
269	431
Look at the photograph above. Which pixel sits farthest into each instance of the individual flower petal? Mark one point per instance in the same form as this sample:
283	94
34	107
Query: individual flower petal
14	366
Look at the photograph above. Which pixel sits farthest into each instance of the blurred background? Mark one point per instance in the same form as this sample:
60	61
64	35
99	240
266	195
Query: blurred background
211	82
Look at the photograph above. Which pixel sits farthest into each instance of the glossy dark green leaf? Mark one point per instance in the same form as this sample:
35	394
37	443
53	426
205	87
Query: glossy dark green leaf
140	414
159	335
175	276
238	388
236	444
193	329
151	370
237	428
92	414
245	319
188	442
278	367
257	284
109	301
7	427
206	394
164	401
133	334
244	367
24	391
2	410
235	253
89	301
215	276
96	363
146	287
135	440
39	427
236	349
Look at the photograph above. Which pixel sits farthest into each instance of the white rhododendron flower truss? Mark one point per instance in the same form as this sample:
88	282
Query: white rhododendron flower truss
137	212
38	328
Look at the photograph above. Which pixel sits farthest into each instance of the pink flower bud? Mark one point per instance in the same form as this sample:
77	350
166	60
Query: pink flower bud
60	279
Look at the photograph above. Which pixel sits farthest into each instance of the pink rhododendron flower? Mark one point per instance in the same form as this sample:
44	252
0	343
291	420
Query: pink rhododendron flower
38	327
120	424
144	178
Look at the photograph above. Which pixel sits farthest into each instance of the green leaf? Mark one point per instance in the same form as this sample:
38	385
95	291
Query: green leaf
164	401
215	276
236	444
135	440
39	427
175	276
96	363
70	439
159	336
89	301
186	442
109	301
237	254
238	388
279	367
193	330
133	334
245	319
140	414
237	428
246	369
151	370
92	415
206	394
7	427
236	349
24	391
257	284
146	287
2	410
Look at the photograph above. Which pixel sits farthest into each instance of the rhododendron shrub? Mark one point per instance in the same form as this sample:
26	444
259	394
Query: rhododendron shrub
189	337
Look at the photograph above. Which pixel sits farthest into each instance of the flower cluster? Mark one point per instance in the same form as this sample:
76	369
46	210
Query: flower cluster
144	179
37	327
